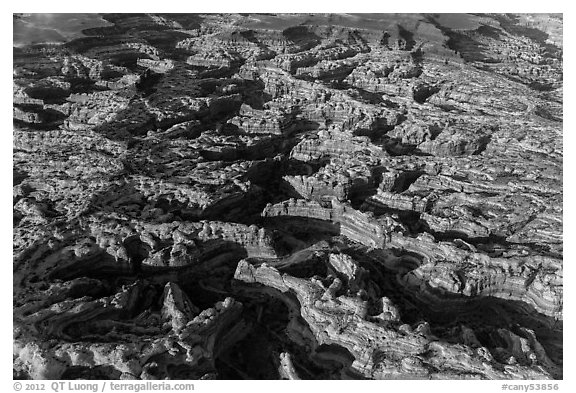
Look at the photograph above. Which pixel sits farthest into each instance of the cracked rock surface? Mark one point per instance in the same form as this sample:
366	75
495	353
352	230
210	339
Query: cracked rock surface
223	196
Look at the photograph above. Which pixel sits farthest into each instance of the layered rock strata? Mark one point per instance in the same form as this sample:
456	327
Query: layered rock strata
258	196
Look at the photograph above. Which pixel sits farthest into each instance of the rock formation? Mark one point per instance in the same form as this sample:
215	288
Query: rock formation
238	196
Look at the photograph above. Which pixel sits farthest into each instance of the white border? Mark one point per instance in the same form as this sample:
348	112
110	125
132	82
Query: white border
309	6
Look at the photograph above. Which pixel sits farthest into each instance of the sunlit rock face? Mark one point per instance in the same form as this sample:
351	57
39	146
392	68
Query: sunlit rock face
358	196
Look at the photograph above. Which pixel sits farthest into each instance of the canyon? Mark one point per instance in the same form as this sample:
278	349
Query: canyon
289	196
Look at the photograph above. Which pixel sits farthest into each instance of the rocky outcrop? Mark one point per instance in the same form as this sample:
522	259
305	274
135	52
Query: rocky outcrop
275	121
388	200
337	218
191	352
337	179
333	143
381	350
455	142
466	272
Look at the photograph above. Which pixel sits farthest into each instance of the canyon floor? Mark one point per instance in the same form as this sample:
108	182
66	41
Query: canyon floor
258	196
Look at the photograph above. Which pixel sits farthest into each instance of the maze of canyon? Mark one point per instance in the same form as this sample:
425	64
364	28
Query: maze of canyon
246	196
